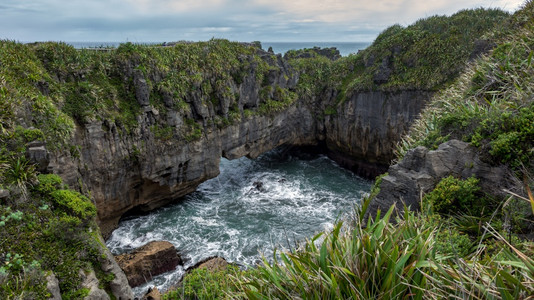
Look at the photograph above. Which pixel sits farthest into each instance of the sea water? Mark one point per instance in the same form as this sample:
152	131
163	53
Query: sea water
345	48
253	206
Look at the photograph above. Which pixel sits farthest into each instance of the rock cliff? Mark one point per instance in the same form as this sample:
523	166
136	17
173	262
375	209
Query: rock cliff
421	169
173	148
363	135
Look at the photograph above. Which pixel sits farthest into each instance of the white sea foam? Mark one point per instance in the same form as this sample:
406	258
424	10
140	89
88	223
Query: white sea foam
252	207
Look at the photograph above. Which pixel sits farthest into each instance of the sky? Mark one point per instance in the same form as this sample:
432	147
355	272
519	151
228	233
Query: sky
236	20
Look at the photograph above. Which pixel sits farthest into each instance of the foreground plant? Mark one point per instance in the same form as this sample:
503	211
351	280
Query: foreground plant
389	260
379	261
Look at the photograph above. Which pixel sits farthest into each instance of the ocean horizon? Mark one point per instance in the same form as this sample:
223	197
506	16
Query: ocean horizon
345	48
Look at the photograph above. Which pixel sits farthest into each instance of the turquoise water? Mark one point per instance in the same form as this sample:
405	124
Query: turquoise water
250	208
345	48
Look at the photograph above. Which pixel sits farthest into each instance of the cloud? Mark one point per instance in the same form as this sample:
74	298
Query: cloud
167	20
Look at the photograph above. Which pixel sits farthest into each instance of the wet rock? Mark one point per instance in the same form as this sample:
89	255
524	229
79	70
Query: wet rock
421	169
258	186
152	294
149	260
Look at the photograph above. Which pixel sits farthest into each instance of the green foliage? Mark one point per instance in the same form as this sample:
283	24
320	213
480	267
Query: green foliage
52	85
76	294
427	55
48	183
19	172
44	233
74	202
452	194
413	258
204	284
10	215
162	133
329	111
452	242
381	261
25	135
194	130
490	105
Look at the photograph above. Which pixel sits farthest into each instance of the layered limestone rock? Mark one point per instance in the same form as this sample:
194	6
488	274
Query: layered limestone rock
363	134
421	169
172	150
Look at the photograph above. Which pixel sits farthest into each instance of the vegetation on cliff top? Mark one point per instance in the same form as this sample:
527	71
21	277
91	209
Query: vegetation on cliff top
491	105
46	88
426	55
45	228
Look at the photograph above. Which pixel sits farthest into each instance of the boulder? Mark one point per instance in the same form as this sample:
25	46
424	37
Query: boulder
90	282
147	261
38	155
212	264
119	285
152	294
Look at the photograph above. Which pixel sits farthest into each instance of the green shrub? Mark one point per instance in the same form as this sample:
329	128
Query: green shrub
19	172
75	203
379	261
48	183
453	195
204	284
450	241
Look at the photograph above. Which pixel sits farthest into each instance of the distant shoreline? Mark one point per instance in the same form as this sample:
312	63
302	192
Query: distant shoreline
345	48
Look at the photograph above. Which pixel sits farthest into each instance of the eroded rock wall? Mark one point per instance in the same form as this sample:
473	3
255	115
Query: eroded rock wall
363	134
421	169
172	150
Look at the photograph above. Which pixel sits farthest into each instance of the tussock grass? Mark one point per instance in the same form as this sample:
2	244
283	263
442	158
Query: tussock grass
389	260
491	105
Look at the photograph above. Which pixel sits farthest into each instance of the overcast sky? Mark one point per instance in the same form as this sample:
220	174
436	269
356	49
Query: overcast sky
237	20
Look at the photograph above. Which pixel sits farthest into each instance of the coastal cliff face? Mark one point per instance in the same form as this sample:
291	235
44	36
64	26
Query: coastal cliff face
363	136
159	172
137	127
142	172
172	148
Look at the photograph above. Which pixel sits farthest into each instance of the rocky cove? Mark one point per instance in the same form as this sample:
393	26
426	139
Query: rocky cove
147	133
142	170
204	140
